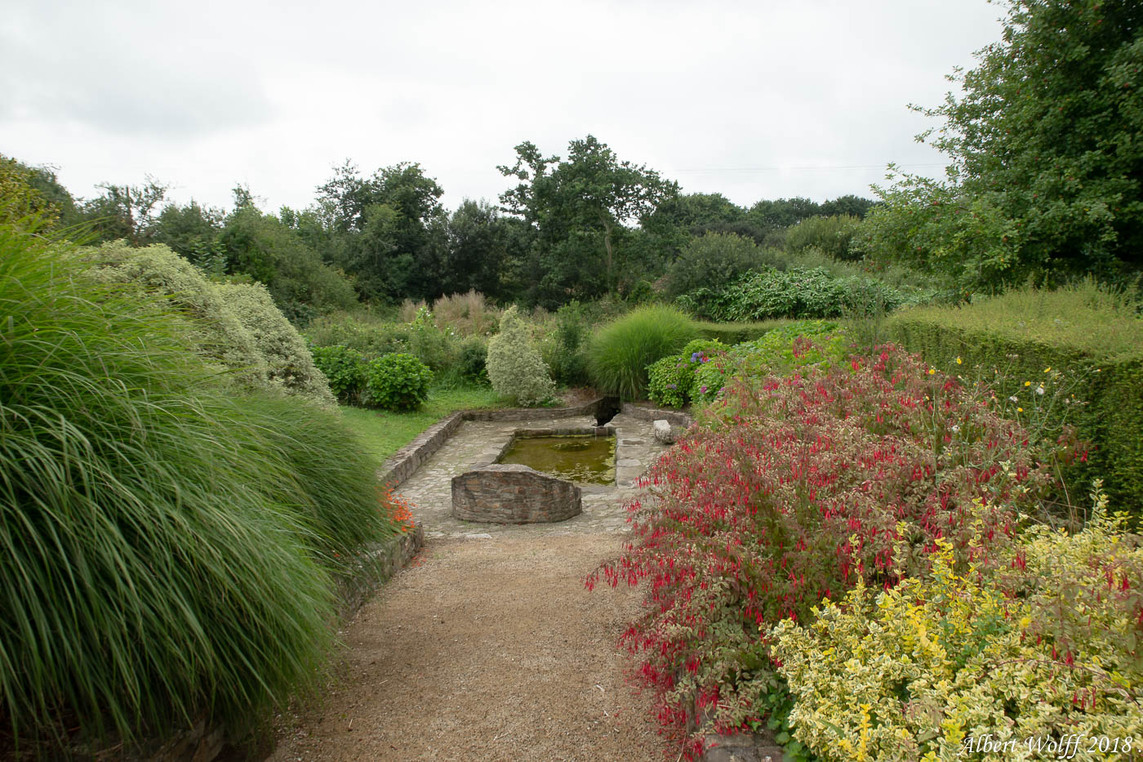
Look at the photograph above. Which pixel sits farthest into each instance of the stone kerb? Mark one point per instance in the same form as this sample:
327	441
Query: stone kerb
409	458
513	494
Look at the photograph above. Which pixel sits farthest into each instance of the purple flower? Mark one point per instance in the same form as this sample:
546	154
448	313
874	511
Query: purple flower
672	386
702	389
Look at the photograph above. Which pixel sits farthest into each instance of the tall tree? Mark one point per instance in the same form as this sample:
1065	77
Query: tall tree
1046	143
125	211
583	209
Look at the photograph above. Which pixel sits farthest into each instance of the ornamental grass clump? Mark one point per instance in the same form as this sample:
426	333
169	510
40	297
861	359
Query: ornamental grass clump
167	544
619	352
792	489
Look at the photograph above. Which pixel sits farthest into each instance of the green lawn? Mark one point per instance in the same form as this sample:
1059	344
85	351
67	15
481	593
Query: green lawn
382	433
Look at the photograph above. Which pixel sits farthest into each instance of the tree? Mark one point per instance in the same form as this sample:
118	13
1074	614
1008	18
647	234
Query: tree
124	211
193	232
582	209
388	230
1047	158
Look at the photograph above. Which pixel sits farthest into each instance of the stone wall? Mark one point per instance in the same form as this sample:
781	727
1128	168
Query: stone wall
513	494
405	462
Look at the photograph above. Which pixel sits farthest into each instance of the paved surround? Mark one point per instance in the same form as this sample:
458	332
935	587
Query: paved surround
474	443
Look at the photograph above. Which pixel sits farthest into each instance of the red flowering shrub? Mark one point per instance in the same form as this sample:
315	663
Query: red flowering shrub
790	491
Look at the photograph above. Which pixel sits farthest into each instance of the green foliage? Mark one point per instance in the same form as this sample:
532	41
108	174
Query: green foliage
1045	150
344	368
20	201
215	329
580	208
795	293
831	235
290	366
619	352
670	381
472	362
790	346
1085	333
515	367
736	333
397	382
167	543
565	351
712	261
1042	647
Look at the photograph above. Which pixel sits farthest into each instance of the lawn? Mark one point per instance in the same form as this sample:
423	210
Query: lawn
382	433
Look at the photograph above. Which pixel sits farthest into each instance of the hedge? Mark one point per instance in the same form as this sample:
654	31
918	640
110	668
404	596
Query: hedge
1089	339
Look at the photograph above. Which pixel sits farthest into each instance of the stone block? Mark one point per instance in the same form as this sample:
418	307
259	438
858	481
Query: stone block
662	431
513	494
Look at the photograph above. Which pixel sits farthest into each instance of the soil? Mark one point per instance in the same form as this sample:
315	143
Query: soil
487	649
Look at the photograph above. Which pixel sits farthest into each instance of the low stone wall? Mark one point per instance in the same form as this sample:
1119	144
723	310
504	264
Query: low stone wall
513	494
405	462
647	412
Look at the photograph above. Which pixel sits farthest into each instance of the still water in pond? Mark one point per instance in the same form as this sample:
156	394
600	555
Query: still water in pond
586	459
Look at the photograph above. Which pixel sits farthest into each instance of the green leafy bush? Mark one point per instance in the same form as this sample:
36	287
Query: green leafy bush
1040	647
472	362
515	367
619	352
671	379
167	544
830	235
344	368
793	345
397	382
712	261
565	350
289	362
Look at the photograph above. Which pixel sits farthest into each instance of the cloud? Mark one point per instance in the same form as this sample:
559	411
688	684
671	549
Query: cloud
128	83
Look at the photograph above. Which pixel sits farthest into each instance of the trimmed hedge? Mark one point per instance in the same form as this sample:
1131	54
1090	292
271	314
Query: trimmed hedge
1091	338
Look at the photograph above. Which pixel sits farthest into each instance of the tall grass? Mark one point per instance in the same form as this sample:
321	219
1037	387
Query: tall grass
620	351
161	541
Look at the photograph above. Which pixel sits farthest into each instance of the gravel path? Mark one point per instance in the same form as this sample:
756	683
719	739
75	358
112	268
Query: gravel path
489	648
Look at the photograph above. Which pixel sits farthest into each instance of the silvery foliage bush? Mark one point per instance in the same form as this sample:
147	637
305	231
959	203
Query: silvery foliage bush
515	366
291	366
217	332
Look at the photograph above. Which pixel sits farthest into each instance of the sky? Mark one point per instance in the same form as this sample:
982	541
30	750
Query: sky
760	99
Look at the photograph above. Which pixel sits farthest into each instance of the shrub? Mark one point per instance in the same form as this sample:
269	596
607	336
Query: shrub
472	364
397	382
515	367
670	380
620	352
565	349
165	541
289	362
369	334
1043	648
215	330
467	314
830	235
712	261
792	489
344	368
780	350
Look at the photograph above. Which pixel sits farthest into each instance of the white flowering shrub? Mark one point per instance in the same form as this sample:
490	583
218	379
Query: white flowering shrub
964	666
515	367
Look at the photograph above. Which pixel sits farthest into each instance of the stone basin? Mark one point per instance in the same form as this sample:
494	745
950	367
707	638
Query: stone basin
513	493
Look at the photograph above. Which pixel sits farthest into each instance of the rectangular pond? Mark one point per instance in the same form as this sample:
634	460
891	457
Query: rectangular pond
584	458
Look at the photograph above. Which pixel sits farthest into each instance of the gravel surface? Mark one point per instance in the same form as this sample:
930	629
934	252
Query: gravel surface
487	649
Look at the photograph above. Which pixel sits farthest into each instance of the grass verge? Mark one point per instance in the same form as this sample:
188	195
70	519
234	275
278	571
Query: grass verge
383	433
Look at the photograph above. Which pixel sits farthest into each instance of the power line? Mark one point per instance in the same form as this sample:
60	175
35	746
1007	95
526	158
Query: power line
798	169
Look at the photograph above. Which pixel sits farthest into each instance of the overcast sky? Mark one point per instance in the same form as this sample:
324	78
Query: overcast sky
762	99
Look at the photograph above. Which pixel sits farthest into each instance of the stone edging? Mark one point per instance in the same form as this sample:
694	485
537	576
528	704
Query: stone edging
409	458
649	413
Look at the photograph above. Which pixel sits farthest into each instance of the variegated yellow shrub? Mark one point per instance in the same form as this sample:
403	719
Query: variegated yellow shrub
985	664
